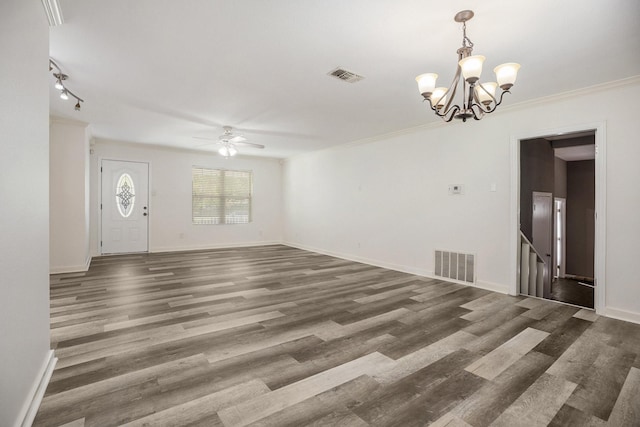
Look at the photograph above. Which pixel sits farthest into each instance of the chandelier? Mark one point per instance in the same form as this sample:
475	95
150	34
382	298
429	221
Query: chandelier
478	98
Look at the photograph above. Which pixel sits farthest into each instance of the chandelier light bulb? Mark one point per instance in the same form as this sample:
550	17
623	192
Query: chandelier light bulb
471	67
64	95
506	74
439	97
487	92
426	83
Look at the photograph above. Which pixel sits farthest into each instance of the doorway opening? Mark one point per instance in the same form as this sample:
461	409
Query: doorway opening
557	199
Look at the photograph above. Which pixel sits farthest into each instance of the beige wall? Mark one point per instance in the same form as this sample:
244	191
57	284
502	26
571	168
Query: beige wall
68	196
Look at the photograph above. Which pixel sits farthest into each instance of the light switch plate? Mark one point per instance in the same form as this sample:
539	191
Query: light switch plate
456	189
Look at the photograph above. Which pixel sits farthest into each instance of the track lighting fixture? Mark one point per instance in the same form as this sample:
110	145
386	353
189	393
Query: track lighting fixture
59	84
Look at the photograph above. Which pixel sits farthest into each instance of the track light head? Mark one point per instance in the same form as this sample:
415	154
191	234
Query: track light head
59	84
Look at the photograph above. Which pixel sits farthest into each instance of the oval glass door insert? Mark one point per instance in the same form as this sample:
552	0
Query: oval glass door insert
125	195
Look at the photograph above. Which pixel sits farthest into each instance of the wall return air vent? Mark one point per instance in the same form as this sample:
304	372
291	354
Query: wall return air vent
345	75
456	266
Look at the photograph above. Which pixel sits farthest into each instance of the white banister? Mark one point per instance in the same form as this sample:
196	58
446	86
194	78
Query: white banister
524	269
531	269
533	273
540	281
533	248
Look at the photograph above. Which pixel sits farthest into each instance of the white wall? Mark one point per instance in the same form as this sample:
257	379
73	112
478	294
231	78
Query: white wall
170	205
24	205
386	202
69	196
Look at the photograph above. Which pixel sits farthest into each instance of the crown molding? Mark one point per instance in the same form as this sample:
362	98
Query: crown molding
629	81
53	11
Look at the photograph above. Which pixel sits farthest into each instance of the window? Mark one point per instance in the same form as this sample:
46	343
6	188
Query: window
221	196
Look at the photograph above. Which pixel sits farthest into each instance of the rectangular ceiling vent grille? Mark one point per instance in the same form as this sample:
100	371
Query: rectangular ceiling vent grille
457	266
347	76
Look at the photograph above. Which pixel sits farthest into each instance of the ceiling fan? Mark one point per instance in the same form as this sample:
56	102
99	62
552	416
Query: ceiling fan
229	142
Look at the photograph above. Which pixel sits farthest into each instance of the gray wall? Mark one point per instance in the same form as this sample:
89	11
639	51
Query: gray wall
580	217
536	174
560	178
24	198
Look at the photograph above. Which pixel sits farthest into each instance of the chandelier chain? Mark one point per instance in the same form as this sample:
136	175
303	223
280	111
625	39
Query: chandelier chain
465	39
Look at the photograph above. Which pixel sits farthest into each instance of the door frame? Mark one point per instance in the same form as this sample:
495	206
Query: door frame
99	201
600	220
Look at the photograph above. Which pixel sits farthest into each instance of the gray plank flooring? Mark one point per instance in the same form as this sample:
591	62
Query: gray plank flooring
277	336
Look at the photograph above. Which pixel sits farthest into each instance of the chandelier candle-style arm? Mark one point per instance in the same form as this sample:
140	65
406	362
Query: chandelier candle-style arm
478	98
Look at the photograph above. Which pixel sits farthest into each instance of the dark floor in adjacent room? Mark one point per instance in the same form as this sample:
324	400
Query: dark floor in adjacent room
278	336
573	292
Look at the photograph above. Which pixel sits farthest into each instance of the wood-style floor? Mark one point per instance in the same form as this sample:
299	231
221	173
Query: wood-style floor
277	336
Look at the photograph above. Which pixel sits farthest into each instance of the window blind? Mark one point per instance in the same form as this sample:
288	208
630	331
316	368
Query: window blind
221	196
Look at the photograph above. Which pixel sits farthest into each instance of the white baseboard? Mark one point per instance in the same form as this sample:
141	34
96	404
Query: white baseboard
213	246
402	268
615	313
70	268
494	287
354	258
32	404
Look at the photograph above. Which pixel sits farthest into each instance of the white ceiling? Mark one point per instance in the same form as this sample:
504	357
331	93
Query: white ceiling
163	71
577	152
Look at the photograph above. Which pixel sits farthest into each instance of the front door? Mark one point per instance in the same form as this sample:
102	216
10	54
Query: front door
124	207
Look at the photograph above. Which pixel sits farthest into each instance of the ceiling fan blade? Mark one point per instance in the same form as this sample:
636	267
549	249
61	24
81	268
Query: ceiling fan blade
205	138
248	144
236	139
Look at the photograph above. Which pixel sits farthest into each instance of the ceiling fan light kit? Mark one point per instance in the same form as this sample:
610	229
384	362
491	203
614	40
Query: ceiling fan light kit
229	142
227	150
478	98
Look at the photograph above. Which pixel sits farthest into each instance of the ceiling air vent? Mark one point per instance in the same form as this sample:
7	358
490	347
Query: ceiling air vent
345	75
